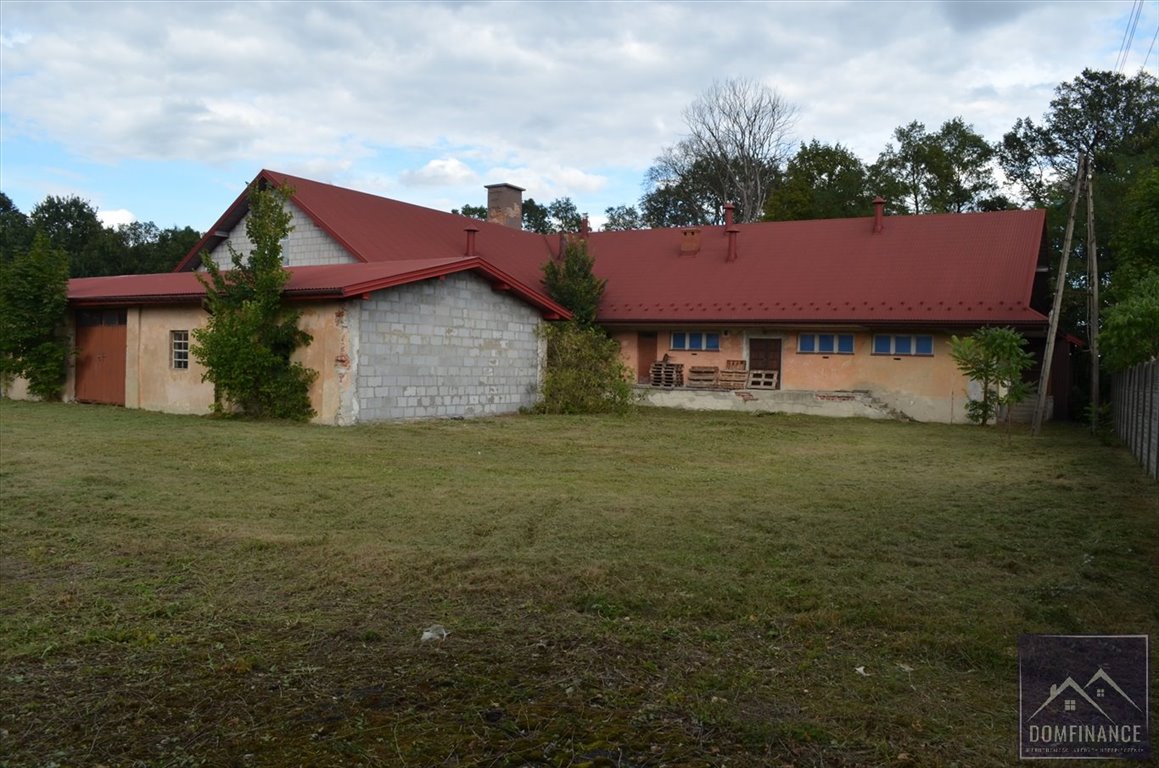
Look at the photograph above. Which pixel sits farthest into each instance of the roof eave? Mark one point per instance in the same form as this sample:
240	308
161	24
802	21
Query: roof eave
497	277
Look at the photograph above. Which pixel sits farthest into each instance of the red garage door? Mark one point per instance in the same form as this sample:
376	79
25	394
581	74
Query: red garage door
100	356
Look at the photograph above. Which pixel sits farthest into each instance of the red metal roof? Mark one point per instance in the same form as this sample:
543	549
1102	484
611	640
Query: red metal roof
953	268
331	281
956	269
377	229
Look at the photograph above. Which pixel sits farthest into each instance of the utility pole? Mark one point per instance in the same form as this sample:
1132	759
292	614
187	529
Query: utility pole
1056	307
1093	313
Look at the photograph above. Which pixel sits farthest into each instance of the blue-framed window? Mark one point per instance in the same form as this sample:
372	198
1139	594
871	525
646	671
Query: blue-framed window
696	341
825	343
903	345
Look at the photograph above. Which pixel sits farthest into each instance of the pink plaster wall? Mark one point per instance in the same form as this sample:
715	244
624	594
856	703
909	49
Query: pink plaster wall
930	387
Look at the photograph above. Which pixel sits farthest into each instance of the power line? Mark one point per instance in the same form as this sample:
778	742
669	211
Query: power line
1128	36
1150	48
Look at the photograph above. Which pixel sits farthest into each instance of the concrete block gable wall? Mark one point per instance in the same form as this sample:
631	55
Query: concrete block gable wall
306	245
445	348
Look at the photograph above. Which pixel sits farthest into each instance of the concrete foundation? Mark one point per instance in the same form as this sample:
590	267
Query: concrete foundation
840	404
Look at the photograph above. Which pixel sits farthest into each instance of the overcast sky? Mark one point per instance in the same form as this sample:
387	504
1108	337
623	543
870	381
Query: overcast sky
162	111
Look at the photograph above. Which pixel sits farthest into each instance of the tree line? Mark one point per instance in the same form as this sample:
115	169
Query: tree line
71	225
736	149
61	238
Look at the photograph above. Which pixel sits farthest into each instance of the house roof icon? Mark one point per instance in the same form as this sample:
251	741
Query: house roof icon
1104	677
1070	685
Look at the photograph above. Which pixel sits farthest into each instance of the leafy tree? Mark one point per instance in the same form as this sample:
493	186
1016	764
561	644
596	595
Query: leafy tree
472	211
560	215
33	310
622	217
565	216
680	195
143	248
996	360
584	372
171	246
71	224
15	230
1024	160
737	141
1130	332
907	168
1114	119
1103	113
572	283
821	182
246	346
943	172
962	168
536	217
1099	113
139	247
1136	239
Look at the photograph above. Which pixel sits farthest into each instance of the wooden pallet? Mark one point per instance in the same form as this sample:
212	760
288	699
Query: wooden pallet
702	377
667	374
763	379
732	379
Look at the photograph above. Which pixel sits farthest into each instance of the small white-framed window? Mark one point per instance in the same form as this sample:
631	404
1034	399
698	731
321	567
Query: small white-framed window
179	350
903	345
825	343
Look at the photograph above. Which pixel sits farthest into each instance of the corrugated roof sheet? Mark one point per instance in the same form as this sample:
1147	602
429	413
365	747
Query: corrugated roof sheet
951	268
936	268
317	282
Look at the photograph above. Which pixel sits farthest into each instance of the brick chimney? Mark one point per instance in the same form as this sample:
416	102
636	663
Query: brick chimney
505	205
878	215
732	250
728	213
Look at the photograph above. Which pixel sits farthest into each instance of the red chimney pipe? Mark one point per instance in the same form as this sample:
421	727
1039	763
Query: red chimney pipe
728	209
732	252
471	240
878	215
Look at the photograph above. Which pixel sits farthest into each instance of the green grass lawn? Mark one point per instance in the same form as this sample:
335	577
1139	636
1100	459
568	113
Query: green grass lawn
669	588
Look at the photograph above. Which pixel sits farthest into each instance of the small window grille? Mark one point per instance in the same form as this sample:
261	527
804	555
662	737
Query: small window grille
179	349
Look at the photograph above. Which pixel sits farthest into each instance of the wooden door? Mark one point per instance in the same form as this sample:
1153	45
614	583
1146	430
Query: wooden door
765	355
100	356
645	356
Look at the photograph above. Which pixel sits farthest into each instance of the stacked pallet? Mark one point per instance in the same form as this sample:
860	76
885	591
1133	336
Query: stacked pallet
665	374
702	377
734	375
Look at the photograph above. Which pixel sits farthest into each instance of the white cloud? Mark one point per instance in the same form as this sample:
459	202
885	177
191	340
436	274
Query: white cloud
116	217
439	173
563	98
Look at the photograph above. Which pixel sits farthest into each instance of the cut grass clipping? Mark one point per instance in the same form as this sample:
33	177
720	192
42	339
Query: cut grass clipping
671	588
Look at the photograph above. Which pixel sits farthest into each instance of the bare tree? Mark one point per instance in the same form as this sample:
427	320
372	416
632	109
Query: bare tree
738	140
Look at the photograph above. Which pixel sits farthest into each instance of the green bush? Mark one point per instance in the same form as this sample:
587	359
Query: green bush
249	339
995	358
33	315
584	372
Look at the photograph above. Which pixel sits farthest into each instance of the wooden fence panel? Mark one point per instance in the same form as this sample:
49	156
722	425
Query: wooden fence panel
1136	412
